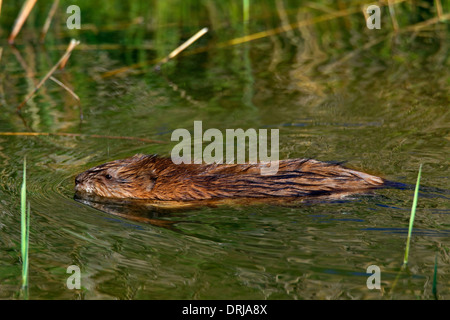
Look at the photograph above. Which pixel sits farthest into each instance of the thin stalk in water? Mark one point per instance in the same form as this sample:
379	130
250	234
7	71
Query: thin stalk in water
246	9
411	222
411	219
25	228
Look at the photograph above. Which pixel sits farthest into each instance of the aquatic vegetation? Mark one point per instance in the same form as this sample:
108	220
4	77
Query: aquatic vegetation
25	229
411	219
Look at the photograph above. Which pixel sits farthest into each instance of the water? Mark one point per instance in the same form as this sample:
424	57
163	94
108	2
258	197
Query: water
383	109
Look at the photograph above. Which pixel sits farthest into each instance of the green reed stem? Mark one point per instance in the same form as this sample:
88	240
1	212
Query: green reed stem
25	226
411	219
246	9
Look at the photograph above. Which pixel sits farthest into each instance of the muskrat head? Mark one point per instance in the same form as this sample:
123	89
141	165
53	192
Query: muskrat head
128	178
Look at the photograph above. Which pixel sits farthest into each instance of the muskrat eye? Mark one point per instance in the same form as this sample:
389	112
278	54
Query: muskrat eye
108	176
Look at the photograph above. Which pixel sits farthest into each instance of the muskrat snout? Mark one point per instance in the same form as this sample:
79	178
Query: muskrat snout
83	182
78	179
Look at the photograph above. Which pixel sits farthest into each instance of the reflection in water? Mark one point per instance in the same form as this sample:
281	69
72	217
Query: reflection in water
154	212
136	210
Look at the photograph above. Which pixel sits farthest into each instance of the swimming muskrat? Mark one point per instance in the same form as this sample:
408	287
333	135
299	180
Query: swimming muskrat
156	178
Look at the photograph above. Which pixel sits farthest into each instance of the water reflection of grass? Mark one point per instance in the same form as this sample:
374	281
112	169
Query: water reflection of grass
315	31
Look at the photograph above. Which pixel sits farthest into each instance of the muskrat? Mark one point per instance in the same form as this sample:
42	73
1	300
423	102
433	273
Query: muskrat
152	177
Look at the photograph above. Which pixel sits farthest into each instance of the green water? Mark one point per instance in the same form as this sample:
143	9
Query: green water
336	91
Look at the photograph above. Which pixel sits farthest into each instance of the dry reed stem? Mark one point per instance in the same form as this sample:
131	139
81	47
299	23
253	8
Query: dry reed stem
49	19
30	74
439	10
63	63
64	59
0	7
72	45
281	10
426	23
186	44
22	17
74	135
392	14
295	25
172	55
65	88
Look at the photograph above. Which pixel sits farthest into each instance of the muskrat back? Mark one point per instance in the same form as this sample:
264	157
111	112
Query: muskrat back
157	178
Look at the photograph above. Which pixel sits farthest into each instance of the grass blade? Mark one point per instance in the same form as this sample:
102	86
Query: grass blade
413	214
246	10
411	223
25	226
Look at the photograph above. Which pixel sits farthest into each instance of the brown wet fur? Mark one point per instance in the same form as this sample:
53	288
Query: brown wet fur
156	178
